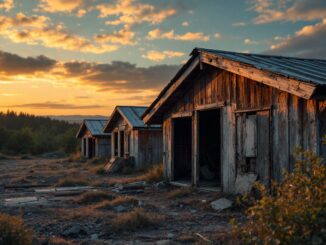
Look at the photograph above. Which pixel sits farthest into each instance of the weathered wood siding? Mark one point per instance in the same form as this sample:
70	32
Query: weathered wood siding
149	148
103	147
143	146
284	122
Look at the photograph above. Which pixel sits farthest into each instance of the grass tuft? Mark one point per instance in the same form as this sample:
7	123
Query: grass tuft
93	197
136	220
69	182
120	200
12	231
180	192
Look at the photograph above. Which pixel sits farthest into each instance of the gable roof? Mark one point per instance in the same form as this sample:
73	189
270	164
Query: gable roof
94	126
305	78
132	114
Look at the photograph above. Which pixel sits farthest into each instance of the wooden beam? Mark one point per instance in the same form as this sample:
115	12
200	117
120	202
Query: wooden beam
219	104
182	114
170	91
301	89
266	108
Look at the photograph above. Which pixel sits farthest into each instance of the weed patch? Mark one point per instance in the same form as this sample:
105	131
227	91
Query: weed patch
13	232
93	197
69	182
135	220
180	192
120	200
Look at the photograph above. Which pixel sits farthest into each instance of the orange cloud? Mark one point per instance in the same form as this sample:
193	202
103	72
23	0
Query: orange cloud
21	20
162	55
124	37
7	5
57	37
280	10
53	6
189	36
128	12
308	42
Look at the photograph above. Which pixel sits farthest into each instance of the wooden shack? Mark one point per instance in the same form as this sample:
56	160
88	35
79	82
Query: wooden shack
94	142
226	115
132	139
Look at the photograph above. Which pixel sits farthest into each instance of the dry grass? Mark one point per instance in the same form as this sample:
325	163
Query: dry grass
180	192
154	174
93	197
135	220
99	170
76	157
120	200
12	231
72	181
59	241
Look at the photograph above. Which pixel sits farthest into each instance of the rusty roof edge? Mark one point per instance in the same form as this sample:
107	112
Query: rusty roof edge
193	55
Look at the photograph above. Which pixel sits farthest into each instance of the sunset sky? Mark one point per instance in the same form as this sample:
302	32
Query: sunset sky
69	57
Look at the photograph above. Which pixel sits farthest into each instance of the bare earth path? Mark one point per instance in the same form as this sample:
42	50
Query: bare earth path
56	216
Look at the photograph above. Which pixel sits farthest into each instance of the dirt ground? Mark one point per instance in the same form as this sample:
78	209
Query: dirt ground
62	216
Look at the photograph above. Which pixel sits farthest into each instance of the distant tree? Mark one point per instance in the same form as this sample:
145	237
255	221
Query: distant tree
25	133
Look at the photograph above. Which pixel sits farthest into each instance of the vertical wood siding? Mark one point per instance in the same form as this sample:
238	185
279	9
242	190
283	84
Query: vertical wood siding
284	122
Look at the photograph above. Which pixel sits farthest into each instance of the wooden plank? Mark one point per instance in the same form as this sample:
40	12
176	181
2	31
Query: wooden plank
322	127
266	108
228	149
283	83
280	135
250	136
195	149
263	163
209	106
182	114
310	127
295	127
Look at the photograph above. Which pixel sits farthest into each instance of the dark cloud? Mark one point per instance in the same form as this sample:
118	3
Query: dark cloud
121	75
55	105
309	42
13	64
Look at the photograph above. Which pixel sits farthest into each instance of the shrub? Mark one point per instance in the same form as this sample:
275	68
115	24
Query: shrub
293	212
154	174
12	231
135	220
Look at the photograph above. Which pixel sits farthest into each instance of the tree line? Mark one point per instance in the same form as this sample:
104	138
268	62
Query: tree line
22	133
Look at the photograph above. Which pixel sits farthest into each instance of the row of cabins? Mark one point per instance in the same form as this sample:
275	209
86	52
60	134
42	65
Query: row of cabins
225	115
124	135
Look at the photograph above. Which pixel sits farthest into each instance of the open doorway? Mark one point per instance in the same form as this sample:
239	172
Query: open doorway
209	148
115	143
122	143
91	148
182	137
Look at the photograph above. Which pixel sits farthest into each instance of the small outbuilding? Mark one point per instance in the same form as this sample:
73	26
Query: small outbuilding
229	118
132	139
94	142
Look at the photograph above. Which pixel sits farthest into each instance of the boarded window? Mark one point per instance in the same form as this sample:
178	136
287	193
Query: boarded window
247	142
250	136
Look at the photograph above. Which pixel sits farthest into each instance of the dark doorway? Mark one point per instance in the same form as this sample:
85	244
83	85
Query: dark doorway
209	148
91	147
182	149
116	143
122	143
84	147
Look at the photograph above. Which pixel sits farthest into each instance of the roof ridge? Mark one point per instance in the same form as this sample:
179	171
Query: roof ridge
258	54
